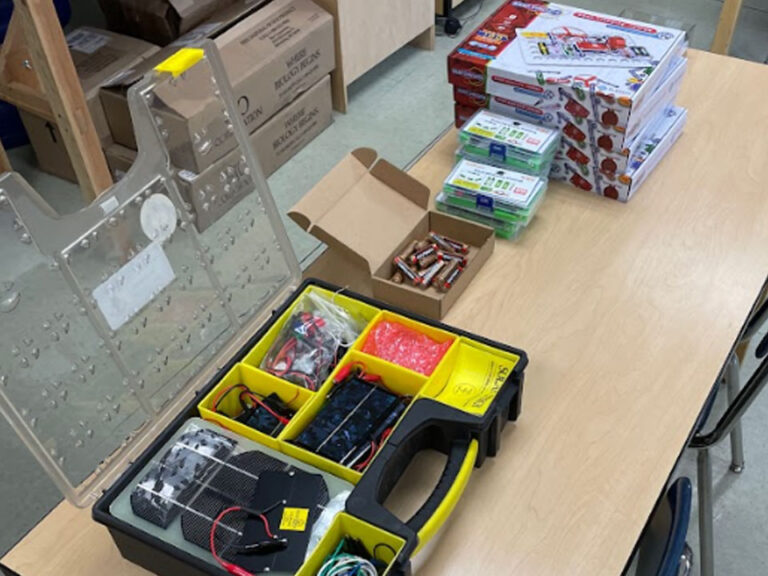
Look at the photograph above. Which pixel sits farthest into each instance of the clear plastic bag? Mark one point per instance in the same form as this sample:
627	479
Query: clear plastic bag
323	523
312	341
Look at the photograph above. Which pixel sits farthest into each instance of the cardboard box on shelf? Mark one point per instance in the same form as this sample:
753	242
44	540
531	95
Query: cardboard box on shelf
370	211
271	56
623	186
567	61
158	21
46	141
119	159
274	144
98	56
114	93
52	155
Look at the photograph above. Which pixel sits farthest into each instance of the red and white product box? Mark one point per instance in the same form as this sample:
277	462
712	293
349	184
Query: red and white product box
648	154
607	138
566	61
611	152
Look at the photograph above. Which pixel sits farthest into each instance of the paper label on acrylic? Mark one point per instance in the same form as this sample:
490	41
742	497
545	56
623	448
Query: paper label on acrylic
132	287
158	217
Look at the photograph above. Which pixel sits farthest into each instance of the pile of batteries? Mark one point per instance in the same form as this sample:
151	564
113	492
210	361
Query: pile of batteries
501	173
436	261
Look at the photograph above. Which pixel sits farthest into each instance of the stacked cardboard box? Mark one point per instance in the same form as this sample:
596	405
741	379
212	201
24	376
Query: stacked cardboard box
278	59
608	83
158	21
98	56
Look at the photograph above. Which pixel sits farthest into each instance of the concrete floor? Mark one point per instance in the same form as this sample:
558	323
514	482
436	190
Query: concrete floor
399	108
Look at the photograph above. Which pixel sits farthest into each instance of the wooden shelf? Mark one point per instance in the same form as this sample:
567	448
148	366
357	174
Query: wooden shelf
37	75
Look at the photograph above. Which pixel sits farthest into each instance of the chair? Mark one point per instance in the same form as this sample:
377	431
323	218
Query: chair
662	549
739	400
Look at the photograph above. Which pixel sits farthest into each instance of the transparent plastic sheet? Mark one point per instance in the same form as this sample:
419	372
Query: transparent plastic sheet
113	316
204	471
312	341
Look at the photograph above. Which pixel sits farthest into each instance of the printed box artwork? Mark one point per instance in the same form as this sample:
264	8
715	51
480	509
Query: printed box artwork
566	64
641	163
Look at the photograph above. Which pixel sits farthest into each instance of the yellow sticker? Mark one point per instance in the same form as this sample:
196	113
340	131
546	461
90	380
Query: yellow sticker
468	184
480	131
472	393
294	519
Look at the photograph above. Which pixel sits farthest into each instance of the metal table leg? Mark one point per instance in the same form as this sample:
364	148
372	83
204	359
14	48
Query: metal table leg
737	442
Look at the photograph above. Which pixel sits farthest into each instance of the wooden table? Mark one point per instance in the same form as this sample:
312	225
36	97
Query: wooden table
628	313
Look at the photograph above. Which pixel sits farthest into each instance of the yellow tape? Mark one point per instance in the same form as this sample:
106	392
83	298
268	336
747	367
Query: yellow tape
181	61
294	519
443	511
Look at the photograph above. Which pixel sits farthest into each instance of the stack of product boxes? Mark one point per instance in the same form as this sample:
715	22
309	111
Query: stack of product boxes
609	84
501	173
278	56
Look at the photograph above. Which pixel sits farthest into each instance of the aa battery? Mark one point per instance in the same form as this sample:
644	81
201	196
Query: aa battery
452	277
451	257
440	241
406	254
457	246
414	278
448	270
418	256
428	275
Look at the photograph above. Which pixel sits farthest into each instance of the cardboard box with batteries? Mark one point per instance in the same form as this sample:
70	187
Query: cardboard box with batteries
377	215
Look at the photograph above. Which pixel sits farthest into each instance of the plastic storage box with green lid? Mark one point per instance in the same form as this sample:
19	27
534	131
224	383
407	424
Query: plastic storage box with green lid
515	144
504	229
134	321
507	195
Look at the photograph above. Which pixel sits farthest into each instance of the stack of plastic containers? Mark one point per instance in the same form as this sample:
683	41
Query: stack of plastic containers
501	173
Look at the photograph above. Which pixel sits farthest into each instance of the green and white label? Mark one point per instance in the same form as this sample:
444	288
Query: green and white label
512	133
501	185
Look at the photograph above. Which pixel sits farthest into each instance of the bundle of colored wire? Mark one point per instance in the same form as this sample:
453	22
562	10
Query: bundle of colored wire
347	565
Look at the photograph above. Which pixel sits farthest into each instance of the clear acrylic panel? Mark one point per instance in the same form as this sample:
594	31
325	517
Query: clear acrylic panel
114	316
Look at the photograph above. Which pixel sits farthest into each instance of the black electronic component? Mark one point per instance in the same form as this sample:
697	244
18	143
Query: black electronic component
253	485
173	480
268	415
353	421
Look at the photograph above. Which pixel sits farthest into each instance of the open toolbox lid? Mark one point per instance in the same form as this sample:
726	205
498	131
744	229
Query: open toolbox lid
114	316
364	206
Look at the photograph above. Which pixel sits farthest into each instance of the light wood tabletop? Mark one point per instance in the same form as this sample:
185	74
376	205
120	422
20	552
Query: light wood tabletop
628	313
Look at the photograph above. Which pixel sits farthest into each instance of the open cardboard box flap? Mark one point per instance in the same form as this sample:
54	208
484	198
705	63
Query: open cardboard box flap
365	206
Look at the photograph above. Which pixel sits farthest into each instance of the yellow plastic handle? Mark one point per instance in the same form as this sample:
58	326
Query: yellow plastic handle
443	511
181	61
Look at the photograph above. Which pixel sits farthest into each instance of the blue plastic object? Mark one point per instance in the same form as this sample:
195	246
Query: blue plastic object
662	543
12	131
